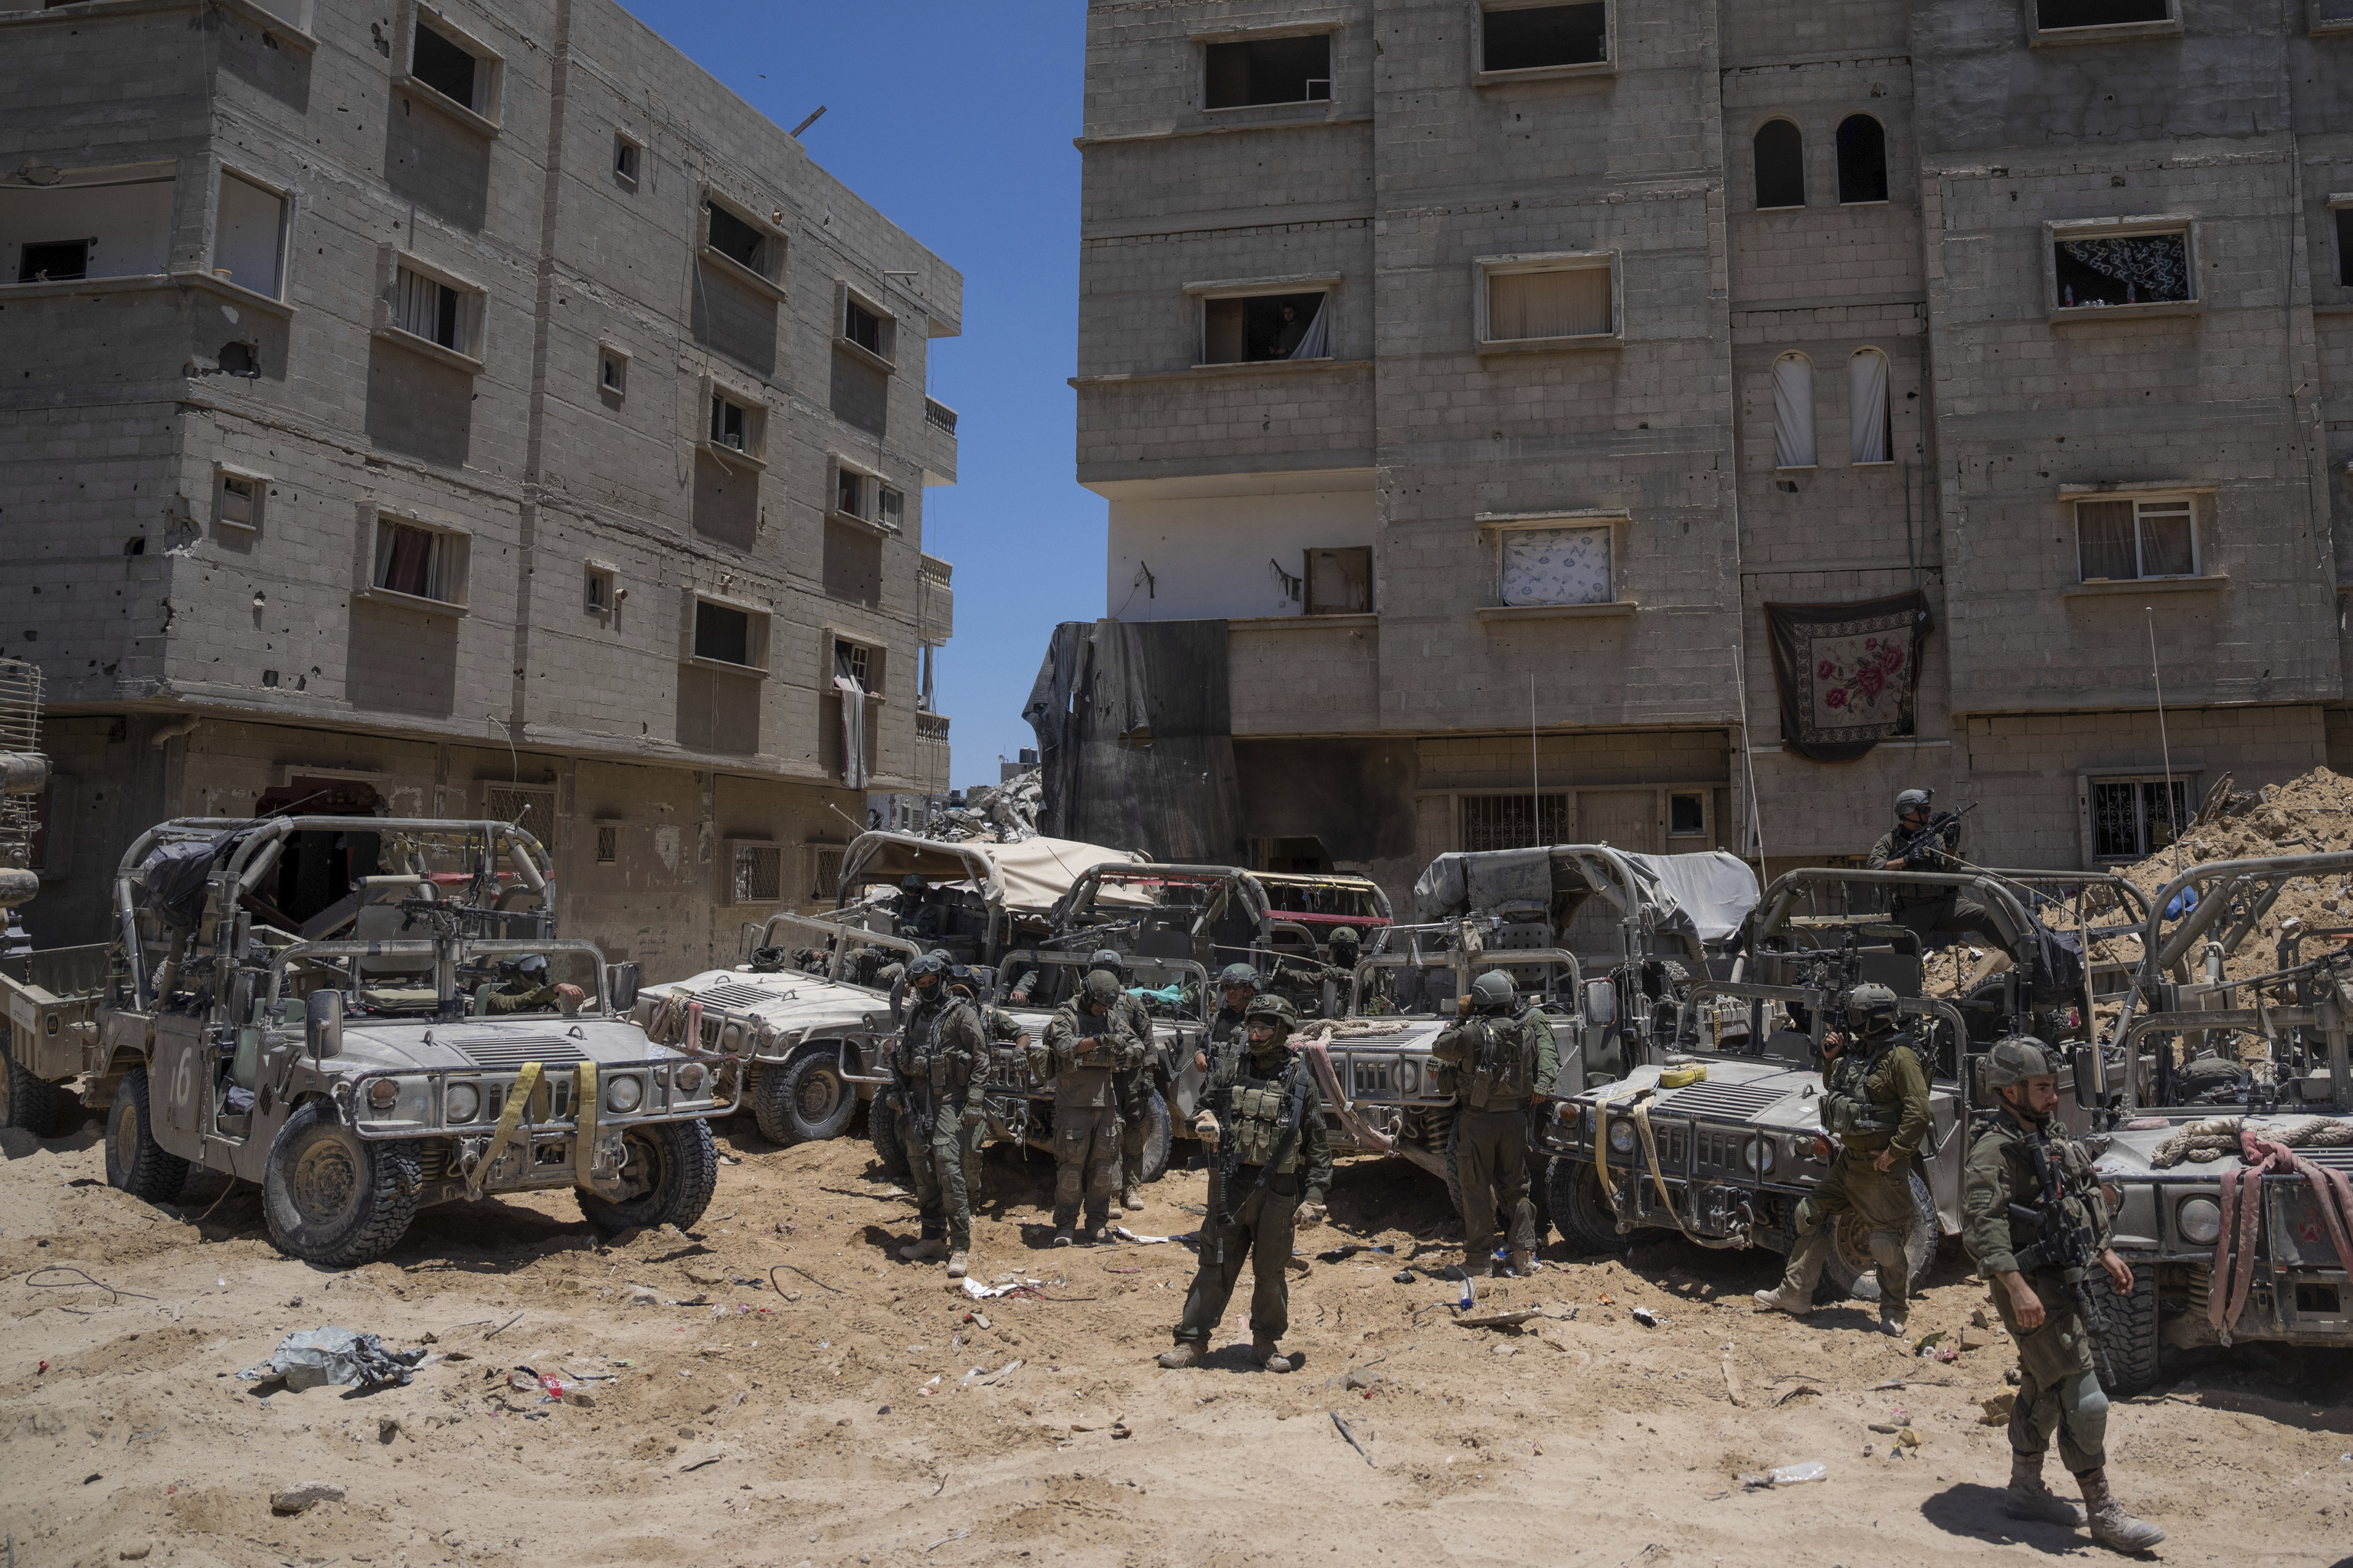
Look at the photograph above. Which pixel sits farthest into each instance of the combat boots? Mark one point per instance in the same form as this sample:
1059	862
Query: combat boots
1186	1354
957	1264
1264	1352
1782	1299
1524	1263
1131	1178
2111	1525
1895	1318
924	1251
2028	1498
1064	1220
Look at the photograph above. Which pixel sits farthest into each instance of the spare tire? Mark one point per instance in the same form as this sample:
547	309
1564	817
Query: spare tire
1851	1271
884	1115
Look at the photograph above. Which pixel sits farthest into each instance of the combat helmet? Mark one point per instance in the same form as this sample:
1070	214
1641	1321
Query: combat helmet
1871	1007
1914	800
1492	992
1104	985
1344	936
930	965
2016	1058
1237	975
1279	1009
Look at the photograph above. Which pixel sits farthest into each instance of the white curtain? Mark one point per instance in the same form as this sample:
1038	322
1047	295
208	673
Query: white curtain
854	722
1316	342
1868	371
1572	302
1793	411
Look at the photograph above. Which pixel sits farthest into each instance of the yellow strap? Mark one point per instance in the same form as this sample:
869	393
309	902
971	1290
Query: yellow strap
1601	1137
585	1106
1658	1178
526	1088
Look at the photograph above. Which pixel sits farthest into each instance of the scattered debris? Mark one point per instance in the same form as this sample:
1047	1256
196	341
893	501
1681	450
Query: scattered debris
1350	1436
1648	1318
302	1499
329	1355
1511	1320
1788	1474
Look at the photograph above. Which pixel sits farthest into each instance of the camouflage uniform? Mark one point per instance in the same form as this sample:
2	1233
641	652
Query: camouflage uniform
1086	1107
942	1053
1930	909
1875	1097
1493	1063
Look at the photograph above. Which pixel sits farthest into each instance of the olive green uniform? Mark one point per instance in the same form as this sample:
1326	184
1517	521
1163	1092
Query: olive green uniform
2058	1391
1086	1106
1271	1175
1300	981
939	1057
1929	909
1492	1065
1001	1029
1134	1084
508	997
1875	1097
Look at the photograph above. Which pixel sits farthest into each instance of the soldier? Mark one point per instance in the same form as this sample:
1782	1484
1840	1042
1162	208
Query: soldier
1876	1103
523	987
1263	1121
1927	908
2058	1391
1006	1038
1087	1047
1133	1083
937	1057
1497	1067
1237	987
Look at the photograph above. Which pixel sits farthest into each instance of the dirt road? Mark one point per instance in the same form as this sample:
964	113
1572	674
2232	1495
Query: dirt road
833	1417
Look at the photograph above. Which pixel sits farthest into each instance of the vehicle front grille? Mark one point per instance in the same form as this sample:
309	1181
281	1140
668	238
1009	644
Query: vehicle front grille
509	1052
735	994
2338	1158
1729	1102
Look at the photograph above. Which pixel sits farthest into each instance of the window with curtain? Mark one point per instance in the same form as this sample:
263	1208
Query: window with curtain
1566	302
429	308
1259	328
1868	408
412	560
2132	270
1556	565
2120	541
1780	164
1861	159
1793	411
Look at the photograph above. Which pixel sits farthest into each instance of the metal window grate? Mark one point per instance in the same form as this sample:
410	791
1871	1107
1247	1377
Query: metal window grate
2130	816
533	811
759	874
827	872
608	844
1506	821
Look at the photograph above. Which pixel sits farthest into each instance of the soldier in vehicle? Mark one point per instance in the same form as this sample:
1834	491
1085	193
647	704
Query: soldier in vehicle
2058	1391
1237	987
1875	1104
1280	1167
523	986
1926	908
1004	1033
1088	1044
938	1057
918	913
1496	1066
1133	1082
1299	979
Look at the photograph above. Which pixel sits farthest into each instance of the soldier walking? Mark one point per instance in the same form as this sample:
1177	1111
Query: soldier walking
1876	1103
1087	1047
1497	1066
937	1057
1263	1122
2058	1390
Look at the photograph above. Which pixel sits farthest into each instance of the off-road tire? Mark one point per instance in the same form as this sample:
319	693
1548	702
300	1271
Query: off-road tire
40	1109
1580	1212
134	1161
805	1101
882	1117
1852	1272
2130	1337
333	1198
686	1171
1158	1130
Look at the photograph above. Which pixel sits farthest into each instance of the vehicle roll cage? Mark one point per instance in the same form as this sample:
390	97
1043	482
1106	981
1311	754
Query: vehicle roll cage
841	940
445	952
1223	882
1463	964
1045	957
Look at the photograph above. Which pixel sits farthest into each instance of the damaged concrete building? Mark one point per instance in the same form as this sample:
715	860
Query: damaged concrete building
470	409
1496	367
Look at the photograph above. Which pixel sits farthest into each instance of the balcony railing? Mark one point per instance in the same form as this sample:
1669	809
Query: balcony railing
939	414
931	569
931	726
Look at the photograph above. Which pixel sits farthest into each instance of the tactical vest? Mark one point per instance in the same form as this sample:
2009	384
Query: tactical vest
1847	1106
920	1045
1500	1073
1257	1120
2079	1185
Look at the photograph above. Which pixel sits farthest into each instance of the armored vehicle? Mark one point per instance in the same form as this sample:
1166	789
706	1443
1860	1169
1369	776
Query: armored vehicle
446	1045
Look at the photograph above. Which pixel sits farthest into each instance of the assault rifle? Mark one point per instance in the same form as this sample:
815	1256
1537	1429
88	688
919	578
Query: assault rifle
1943	825
2065	1245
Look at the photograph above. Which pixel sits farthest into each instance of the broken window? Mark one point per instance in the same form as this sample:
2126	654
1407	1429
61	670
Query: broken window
860	663
238	503
738	241
626	154
1868	408
2120	541
721	633
867	329
1780	164
1533	38
121	228
1340	582
421	562
248	235
2345	233
1555	301
1270	71
1259	328
54	260
2131	270
1556	565
2053	13
1686	814
1513	821
444	60
429	308
2134	818
1861	159
1793	411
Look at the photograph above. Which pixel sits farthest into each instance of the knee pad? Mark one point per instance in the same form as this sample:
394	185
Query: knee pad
1888	1248
1809	1217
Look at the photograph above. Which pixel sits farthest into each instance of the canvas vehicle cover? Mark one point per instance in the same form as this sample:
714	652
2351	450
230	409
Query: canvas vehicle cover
1030	875
1709	894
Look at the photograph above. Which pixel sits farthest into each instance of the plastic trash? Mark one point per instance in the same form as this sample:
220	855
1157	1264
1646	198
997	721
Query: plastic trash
2182	903
325	1355
1788	1474
1648	1318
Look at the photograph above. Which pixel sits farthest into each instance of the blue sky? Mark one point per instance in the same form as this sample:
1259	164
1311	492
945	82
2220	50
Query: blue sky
956	122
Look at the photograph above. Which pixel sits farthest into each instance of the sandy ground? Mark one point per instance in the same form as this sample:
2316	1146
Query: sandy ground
827	1422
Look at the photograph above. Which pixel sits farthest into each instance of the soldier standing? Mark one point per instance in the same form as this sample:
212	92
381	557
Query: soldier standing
1237	987
1497	1066
2058	1391
1263	1122
1931	909
1005	1038
936	1058
1876	1103
1087	1047
1133	1083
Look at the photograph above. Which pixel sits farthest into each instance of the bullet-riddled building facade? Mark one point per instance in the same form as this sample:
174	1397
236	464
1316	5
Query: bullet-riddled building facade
458	410
1490	369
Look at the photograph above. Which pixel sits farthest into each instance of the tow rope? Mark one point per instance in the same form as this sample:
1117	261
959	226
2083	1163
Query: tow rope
2243	1188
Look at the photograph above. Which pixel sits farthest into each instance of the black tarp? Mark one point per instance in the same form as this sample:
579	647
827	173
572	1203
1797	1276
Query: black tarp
1135	739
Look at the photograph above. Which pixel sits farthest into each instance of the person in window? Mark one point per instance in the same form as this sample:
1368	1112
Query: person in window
524	986
1287	336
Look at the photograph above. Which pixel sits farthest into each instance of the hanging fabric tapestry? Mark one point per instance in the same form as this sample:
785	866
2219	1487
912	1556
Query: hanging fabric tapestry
1848	673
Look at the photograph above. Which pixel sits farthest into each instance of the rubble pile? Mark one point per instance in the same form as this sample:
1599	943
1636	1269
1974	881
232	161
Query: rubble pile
992	813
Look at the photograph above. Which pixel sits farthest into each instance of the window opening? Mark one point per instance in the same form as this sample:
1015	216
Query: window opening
608	844
2345	225
729	423
248	235
722	633
430	308
53	260
626	153
734	238
412	560
1861	159
1270	71
613	371
1571	302
2120	541
2133	269
1556	565
1686	816
856	661
759	874
827	872
1513	821
1261	327
1340	582
2331	13
865	328
1533	38
849	494
1868	408
1793	411
600	589
2134	818
240	501
1780	164
893	506
443	65
2100	13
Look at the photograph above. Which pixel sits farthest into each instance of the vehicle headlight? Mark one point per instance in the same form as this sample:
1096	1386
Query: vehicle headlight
383	1094
2200	1220
1621	1137
624	1095
690	1079
1757	1155
461	1103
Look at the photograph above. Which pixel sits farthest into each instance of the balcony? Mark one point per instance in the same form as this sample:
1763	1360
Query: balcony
939	428
935	601
931	774
932	726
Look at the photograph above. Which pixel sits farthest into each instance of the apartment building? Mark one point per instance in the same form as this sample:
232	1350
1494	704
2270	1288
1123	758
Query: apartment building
1490	367
456	411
